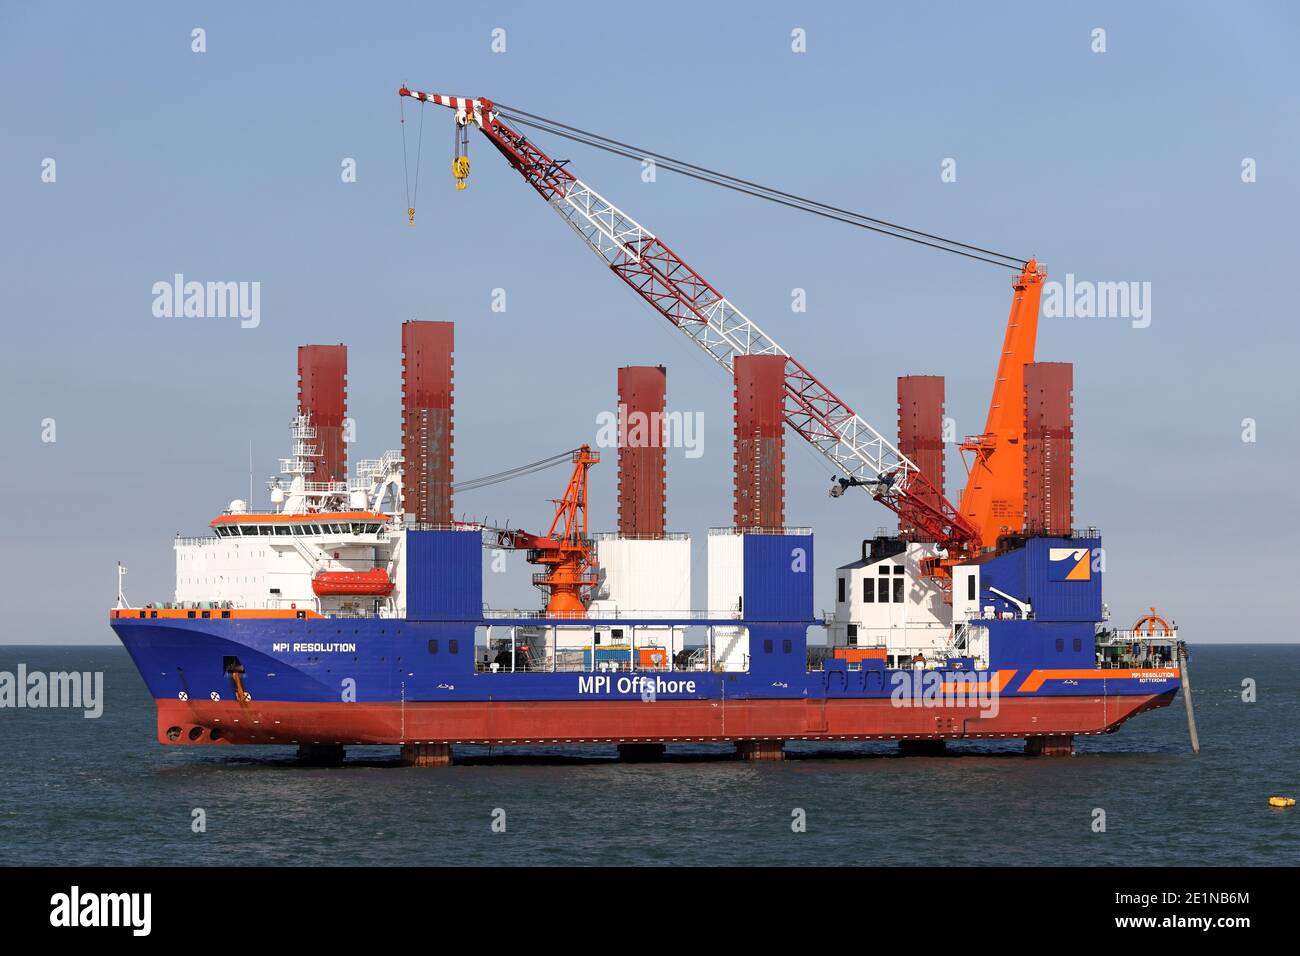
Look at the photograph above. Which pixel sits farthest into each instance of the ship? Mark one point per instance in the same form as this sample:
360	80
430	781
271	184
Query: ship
353	611
338	617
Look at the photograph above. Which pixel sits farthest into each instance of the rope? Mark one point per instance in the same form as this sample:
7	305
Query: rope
419	150
406	169
518	472
759	191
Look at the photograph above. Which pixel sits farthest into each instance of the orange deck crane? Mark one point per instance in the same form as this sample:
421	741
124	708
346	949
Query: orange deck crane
994	499
566	551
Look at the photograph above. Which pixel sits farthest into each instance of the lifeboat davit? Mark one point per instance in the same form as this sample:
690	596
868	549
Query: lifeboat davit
375	581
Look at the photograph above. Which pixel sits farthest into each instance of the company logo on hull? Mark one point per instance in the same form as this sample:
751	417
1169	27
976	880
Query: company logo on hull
1070	564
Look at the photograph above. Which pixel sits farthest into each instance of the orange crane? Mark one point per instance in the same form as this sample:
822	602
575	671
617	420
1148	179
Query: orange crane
994	499
565	551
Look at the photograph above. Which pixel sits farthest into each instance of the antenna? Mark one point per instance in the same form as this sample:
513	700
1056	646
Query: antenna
122	602
250	474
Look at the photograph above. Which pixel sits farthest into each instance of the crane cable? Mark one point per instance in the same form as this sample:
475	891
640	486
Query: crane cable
759	191
518	472
419	149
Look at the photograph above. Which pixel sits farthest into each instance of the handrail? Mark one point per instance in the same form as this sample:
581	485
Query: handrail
737	531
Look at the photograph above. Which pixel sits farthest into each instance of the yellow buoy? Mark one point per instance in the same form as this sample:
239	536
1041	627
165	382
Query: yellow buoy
1281	801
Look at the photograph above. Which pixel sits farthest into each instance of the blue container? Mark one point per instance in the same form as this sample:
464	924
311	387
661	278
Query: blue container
444	575
778	577
1064	578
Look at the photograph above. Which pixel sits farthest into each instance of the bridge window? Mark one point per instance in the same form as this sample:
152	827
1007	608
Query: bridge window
868	591
970	587
882	590
840	598
898	590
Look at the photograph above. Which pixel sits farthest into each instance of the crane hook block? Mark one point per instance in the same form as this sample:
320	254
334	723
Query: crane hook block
410	214
460	169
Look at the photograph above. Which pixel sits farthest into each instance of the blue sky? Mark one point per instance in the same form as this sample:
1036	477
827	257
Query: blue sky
225	166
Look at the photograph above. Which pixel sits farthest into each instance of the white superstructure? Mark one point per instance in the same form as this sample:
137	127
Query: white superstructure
885	600
271	559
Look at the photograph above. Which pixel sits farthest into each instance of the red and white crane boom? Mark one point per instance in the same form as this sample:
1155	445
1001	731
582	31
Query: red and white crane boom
858	451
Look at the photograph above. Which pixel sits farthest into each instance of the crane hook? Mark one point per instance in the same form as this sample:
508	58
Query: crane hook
460	152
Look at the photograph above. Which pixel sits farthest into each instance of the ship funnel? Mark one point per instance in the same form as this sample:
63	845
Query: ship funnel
323	397
760	442
641	477
427	426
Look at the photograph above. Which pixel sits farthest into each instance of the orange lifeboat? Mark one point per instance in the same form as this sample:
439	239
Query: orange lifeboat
375	581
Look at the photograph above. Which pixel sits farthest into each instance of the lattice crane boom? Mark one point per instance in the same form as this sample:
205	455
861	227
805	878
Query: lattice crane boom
641	259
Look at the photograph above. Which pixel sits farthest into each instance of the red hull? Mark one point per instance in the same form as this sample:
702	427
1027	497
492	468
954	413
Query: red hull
635	721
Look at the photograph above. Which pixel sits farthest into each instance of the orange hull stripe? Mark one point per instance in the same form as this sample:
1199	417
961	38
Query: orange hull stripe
1001	681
